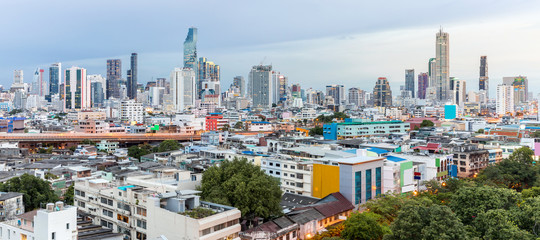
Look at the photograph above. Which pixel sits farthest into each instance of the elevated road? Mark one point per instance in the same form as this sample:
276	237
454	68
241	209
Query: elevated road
96	137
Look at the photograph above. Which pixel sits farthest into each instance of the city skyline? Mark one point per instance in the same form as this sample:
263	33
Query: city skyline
369	49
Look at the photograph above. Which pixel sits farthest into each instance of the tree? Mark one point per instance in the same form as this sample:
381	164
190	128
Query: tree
517	172
531	192
138	151
387	206
36	191
498	224
329	119
469	202
426	123
225	127
168	145
364	226
316	131
69	195
243	185
88	142
239	125
536	134
424	220
527	215
481	130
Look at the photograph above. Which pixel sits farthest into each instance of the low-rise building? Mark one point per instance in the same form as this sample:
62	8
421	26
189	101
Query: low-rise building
11	205
353	129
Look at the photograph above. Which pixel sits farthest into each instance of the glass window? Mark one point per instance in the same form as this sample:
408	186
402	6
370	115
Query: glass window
368	184
357	187
378	181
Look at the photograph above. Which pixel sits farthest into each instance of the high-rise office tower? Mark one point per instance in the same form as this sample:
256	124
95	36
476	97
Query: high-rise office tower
505	99
114	74
132	78
92	78
183	88
38	85
521	88
208	71
55	78
190	49
382	94
260	86
281	87
18	81
459	91
356	96
296	91
409	81
442	68
337	92
240	83
423	84
483	83
77	89
97	94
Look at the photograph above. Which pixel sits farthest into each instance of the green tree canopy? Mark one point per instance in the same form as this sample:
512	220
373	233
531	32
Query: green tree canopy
239	125
69	195
469	202
36	191
140	150
316	131
330	118
517	172
498	224
168	145
424	220
427	123
243	185
364	226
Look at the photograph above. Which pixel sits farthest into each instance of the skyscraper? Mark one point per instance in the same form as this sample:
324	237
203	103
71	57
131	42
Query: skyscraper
240	83
356	96
190	49
382	94
409	81
114	74
337	92
423	84
132	78
55	76
459	91
38	85
183	88
505	99
260	86
97	94
483	83
521	88
442	68
296	91
208	71
18	82
76	89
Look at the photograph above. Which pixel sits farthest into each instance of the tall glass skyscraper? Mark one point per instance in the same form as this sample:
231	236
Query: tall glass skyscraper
409	81
442	67
114	73
423	84
55	76
484	79
190	49
382	94
132	78
207	71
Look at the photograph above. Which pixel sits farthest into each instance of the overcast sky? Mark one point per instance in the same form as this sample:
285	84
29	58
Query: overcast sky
314	43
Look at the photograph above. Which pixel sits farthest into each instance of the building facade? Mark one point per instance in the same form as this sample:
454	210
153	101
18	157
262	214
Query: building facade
77	92
409	81
131	111
337	92
423	84
442	67
132	78
260	88
114	74
382	94
183	88
483	83
345	130
505	99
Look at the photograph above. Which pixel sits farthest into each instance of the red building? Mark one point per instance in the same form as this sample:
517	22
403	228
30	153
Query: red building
215	122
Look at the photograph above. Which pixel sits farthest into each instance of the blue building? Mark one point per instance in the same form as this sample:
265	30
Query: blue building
353	129
450	111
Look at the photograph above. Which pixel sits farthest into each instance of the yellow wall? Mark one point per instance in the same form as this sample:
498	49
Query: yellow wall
325	180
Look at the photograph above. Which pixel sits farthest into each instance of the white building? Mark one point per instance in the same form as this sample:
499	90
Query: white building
295	176
183	88
505	99
131	111
77	94
98	78
56	221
